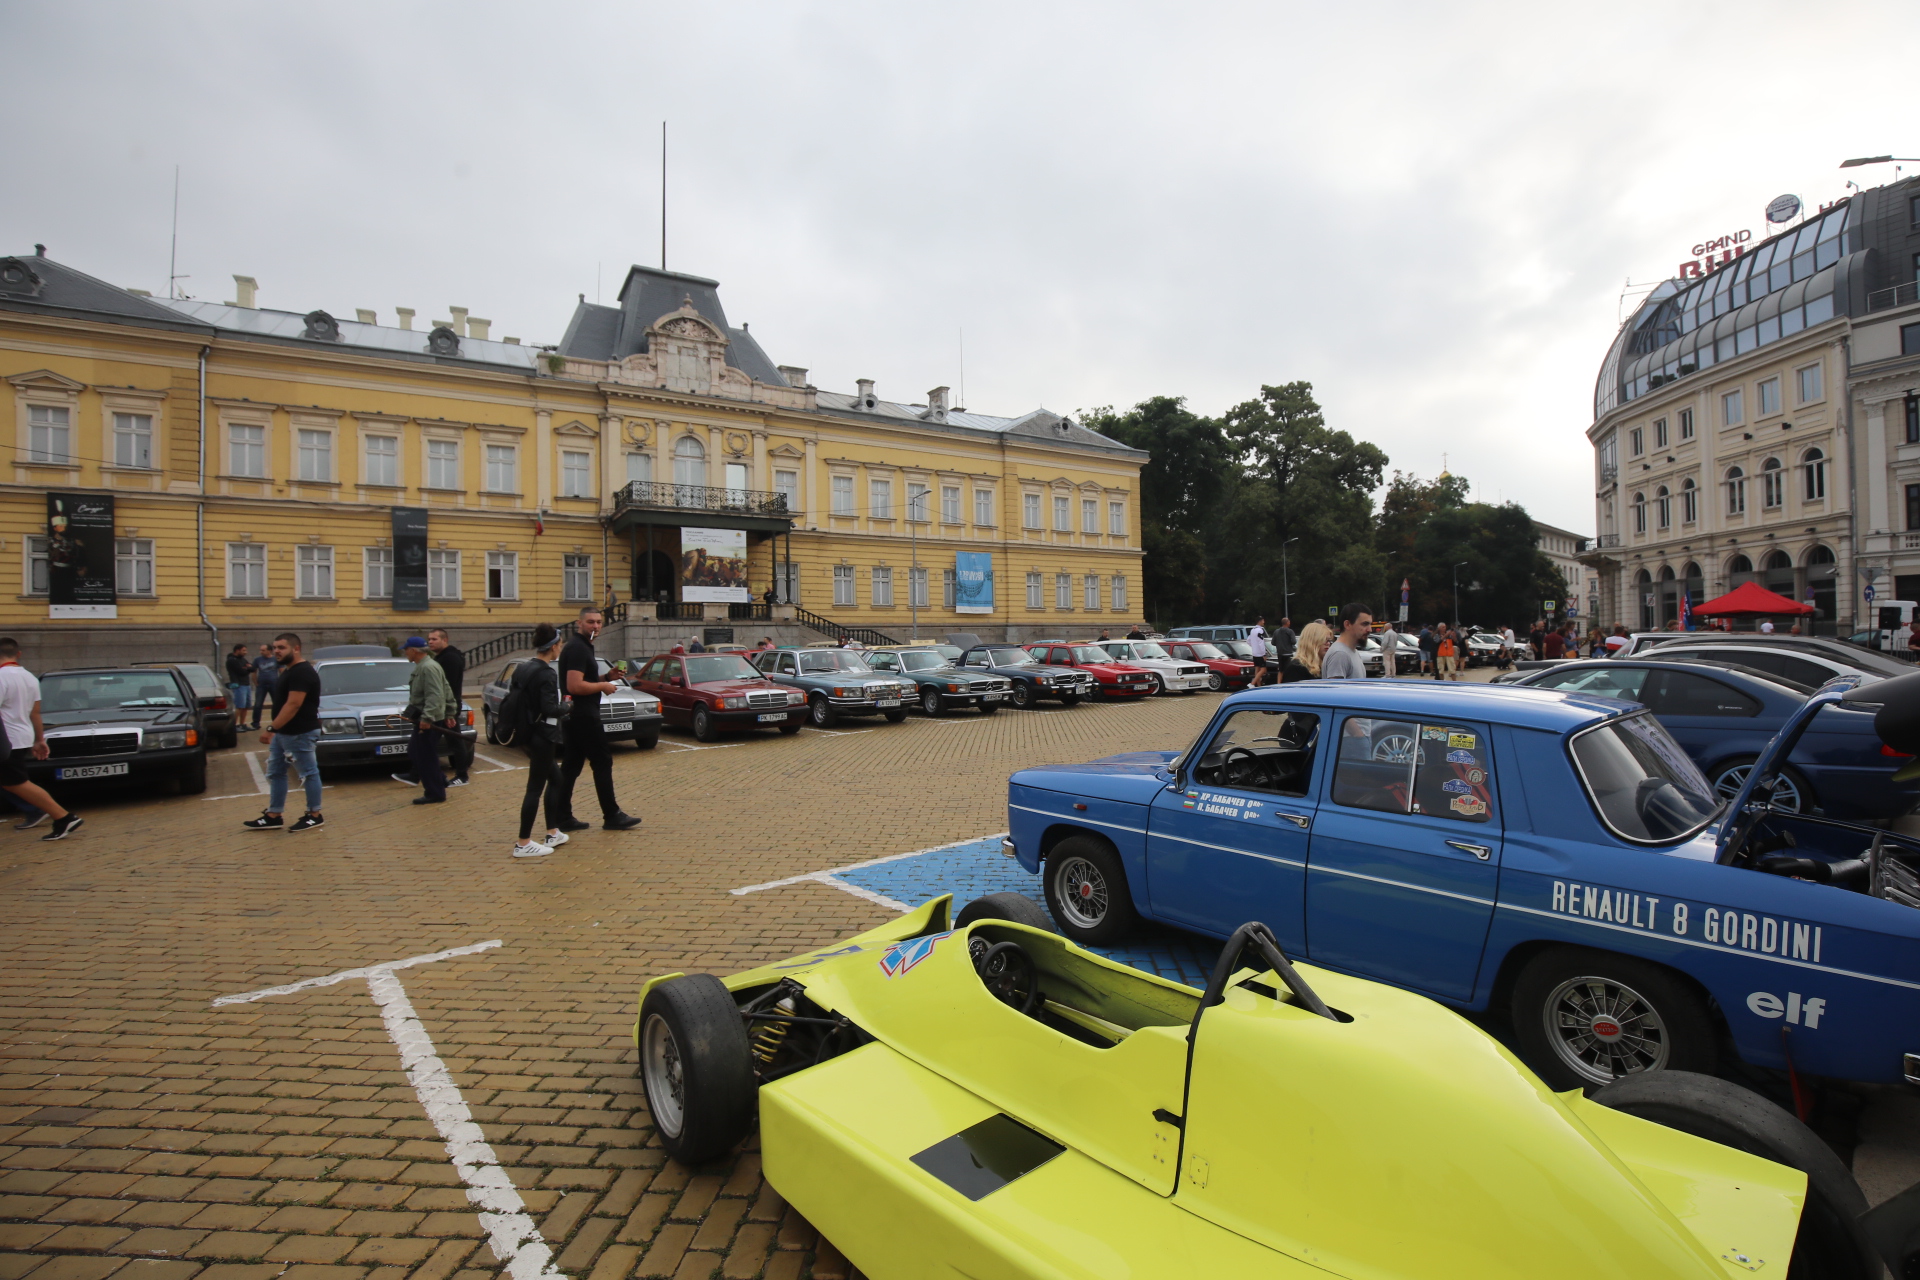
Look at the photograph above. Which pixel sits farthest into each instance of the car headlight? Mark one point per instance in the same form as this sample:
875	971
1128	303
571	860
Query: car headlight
165	741
795	697
733	704
340	724
954	688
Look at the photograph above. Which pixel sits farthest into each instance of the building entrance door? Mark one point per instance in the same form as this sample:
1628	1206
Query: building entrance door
654	572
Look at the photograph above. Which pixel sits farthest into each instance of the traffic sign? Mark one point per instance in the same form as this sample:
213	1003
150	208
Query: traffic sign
1547	606
1869	591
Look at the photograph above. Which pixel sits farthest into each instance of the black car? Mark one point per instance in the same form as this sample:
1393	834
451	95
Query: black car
122	722
1030	678
939	683
216	712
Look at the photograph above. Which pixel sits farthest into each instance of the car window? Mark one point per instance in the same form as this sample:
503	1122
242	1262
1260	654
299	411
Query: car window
506	673
1682	693
1780	664
1612	682
198	677
1202	650
375	676
977	659
1014	658
671	669
1641	783
883	661
1405	766
921	661
109	691
1261	750
1118	650
719	666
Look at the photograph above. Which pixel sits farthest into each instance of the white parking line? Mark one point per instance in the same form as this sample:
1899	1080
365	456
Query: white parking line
259	774
705	746
498	766
831	876
838	733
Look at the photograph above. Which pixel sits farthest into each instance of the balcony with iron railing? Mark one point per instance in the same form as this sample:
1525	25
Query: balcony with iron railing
1901	295
639	496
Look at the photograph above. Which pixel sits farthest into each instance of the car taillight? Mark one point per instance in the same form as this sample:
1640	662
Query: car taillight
1886	750
219	704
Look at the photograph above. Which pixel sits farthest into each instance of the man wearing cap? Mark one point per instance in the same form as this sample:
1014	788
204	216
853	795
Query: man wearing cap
430	706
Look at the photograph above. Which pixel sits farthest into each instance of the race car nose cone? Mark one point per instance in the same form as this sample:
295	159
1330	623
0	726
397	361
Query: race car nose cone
1606	1029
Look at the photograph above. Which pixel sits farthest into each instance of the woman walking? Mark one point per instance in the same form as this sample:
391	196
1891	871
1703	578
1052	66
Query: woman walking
1307	653
538	690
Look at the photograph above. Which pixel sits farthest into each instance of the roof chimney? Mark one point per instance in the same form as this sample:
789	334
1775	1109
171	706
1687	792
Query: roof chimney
406	316
365	316
477	328
459	322
936	405
245	289
512	342
795	377
864	400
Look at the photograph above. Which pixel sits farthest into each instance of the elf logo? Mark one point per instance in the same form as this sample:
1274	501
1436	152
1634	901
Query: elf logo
1805	1012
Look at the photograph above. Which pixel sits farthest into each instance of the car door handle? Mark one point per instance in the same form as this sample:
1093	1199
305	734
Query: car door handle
1299	820
1479	851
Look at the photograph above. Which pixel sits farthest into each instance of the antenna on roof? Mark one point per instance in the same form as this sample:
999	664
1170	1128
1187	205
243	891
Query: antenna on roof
963	368
663	195
173	250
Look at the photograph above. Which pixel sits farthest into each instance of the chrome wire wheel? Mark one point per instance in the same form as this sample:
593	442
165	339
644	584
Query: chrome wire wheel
666	1085
1786	792
1603	1029
1082	892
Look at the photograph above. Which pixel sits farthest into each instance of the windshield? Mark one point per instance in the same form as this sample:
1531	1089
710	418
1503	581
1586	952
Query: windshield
702	667
825	660
365	677
921	661
1087	653
109	691
1014	658
1641	783
1236	648
1201	649
1147	649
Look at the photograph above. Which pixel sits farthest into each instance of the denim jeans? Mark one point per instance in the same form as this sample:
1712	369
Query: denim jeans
242	694
300	747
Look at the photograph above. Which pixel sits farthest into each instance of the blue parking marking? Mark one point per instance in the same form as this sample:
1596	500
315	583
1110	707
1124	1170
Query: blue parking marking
977	867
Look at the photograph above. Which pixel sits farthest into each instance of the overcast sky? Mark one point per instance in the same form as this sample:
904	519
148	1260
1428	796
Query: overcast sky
1427	211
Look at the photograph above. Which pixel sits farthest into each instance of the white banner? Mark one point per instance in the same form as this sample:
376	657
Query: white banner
713	566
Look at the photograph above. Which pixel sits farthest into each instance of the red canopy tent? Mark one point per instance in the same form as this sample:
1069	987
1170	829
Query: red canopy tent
1750	598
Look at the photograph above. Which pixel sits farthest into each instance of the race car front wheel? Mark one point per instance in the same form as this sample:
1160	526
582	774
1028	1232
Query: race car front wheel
1584	1018
1086	890
696	1067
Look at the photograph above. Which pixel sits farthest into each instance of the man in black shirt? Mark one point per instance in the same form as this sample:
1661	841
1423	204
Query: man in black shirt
240	682
292	734
454	663
580	679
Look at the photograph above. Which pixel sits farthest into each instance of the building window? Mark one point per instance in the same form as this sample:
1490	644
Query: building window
313	573
1089	516
49	433
246	571
949	588
639	468
1815	468
376	573
1913	520
786	583
576	474
133	566
1090	592
1769	396
880	499
443	575
36	574
383	462
443	464
1062	514
882	585
1030	511
1913	419
133	440
316	455
787	485
1637	441
1689	502
1063	591
502	472
843	495
1119	597
1663	507
246	450
1034	589
1773	484
917	587
689	462
1117	519
1809	383
1660	433
1639	513
576	577
1910	339
1736	491
503	575
1732	409
950	504
919	502
843	584
983	507
1686	424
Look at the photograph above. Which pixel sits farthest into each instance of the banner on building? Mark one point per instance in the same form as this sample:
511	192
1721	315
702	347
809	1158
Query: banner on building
713	566
80	582
410	559
973	581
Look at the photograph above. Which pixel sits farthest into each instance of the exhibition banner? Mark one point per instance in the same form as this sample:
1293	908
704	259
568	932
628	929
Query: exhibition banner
973	581
713	566
80	556
410	559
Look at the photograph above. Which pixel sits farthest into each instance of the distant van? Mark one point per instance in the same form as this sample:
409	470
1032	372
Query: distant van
1211	633
1888	624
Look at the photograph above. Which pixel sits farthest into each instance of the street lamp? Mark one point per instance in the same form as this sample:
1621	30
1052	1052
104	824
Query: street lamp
1286	596
1858	161
1456	593
913	556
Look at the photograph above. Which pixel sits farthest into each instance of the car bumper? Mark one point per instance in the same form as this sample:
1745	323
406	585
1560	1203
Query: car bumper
129	766
637	724
345	751
752	716
969	698
1182	683
1125	690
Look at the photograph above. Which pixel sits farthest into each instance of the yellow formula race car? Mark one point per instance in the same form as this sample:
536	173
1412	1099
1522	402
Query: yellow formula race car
978	1097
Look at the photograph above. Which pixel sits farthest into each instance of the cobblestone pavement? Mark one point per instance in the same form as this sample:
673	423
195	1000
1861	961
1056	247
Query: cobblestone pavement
147	1133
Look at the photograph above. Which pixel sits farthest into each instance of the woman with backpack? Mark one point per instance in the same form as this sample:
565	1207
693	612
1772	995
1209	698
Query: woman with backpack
533	706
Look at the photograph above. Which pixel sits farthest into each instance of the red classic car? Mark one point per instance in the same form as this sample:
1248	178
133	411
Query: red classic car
1112	679
1224	671
707	692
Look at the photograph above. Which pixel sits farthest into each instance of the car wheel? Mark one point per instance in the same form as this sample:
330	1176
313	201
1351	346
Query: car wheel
820	711
1583	1018
896	715
1022	694
647	739
703	730
1160	685
931	702
1086	890
1017	907
1069	699
193	778
791	729
1216	682
1828	1243
696	1068
1792	792
988	708
493	733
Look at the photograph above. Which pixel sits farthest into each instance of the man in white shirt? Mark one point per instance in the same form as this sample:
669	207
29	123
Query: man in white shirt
1766	627
1257	641
26	740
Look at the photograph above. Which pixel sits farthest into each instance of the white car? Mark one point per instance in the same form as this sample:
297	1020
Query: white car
1406	656
1169	672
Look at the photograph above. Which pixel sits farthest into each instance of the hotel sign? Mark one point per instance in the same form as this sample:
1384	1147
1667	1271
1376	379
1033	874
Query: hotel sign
1728	247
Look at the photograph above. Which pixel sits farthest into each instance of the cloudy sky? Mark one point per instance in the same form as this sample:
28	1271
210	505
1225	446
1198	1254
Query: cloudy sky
1427	211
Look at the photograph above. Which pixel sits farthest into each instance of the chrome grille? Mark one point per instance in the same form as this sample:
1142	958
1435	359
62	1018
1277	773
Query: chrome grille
1193	671
764	698
385	724
93	744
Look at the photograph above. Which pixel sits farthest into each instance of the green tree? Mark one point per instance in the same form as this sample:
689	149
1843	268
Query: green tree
1427	528
1180	485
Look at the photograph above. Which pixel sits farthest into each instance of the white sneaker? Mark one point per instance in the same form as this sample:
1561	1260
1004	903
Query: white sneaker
557	838
531	849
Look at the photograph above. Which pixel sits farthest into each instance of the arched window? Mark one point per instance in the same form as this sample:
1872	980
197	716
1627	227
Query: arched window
1639	513
1778	560
1814	463
1644	597
1663	507
1820	555
1773	484
1739	564
689	461
1736	491
1666	573
1689	501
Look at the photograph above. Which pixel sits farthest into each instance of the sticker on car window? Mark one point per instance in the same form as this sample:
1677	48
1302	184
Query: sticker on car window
1471	806
1457	787
1435	735
1465	741
1461	757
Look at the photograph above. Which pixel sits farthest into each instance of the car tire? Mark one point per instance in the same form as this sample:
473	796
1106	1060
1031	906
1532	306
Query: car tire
932	702
820	713
791	729
493	734
989	708
1584	1018
1829	1241
703	725
1216	683
193	778
1069	699
1794	793
1022	695
647	739
696	1068
1015	907
896	715
1160	689
1086	889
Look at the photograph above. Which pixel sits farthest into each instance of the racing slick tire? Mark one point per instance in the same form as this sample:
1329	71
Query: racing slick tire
1016	907
1215	682
931	702
820	712
703	725
791	729
1584	1018
696	1068
1792	793
647	739
896	715
1022	695
1087	893
1069	699
988	708
1830	1244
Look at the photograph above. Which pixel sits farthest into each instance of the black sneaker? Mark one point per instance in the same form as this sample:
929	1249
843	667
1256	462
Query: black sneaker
574	824
621	822
63	827
265	822
32	822
456	782
407	778
429	800
307	822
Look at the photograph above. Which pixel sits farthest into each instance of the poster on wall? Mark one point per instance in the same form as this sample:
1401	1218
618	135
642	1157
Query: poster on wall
713	566
80	580
410	558
973	581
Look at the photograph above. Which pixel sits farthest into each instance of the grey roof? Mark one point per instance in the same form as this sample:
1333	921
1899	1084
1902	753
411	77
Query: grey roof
1042	424
614	333
292	326
59	289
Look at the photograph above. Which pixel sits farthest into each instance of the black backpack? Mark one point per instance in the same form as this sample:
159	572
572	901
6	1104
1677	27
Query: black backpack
513	707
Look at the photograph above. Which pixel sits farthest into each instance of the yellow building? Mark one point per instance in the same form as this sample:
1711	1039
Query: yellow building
256	459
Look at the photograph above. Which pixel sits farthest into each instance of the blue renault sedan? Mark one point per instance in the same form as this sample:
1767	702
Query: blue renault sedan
1551	853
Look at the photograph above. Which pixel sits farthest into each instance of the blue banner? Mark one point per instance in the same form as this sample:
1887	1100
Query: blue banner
973	581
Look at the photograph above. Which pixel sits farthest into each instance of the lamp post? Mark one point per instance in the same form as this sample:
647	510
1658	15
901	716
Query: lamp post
913	558
1456	593
1286	596
1860	160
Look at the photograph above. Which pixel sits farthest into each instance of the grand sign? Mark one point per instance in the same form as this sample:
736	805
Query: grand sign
1729	246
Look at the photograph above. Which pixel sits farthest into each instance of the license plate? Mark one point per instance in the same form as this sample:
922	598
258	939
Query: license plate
772	718
992	697
391	749
619	727
90	771
886	702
